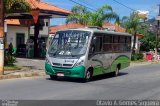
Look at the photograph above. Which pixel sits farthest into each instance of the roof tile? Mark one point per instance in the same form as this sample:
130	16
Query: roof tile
13	22
117	28
54	29
45	6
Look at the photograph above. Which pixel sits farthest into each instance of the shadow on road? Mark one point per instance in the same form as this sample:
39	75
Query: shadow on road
96	78
107	76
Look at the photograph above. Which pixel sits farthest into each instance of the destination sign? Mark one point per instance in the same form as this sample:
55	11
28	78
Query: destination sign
72	34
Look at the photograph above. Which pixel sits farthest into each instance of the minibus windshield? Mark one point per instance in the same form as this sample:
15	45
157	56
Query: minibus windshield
69	43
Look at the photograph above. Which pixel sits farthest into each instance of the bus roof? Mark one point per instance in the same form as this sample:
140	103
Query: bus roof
99	31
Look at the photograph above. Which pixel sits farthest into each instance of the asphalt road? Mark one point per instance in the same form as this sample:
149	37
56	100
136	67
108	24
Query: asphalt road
141	82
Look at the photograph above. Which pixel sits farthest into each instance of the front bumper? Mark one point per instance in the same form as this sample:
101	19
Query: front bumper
76	72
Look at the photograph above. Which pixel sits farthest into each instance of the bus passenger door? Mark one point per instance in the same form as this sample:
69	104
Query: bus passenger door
95	55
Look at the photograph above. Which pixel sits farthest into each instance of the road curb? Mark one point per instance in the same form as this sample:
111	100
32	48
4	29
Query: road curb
21	75
140	64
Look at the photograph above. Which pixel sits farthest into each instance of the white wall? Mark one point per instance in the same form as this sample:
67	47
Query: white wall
51	35
13	30
44	32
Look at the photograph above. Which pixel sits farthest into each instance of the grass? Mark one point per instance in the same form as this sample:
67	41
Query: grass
11	67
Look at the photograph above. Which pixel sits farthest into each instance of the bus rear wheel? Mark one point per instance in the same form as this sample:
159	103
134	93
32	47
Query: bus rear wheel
116	73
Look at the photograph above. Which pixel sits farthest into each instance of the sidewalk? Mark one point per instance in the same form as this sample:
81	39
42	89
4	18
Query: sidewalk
22	73
141	63
30	68
37	64
33	67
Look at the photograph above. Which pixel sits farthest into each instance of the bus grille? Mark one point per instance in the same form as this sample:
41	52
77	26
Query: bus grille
67	65
62	65
57	64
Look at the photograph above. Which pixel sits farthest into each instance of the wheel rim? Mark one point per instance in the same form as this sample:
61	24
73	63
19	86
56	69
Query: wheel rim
88	75
117	72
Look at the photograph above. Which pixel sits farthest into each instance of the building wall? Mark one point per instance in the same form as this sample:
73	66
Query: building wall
44	32
13	30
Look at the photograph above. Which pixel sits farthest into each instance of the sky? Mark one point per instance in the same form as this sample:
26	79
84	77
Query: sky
145	5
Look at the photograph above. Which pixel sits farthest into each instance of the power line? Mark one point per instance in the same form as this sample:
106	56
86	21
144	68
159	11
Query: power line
86	3
127	6
82	5
124	5
95	10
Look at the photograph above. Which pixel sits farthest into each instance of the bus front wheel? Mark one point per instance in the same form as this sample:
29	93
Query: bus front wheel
88	76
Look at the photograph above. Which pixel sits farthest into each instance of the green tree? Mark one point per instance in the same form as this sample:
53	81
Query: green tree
16	6
132	25
79	14
122	22
95	18
148	42
105	13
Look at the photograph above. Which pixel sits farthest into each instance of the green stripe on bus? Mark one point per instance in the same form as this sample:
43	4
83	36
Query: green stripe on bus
123	60
77	72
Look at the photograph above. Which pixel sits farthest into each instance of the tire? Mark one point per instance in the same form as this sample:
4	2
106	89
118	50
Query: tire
88	76
116	73
53	77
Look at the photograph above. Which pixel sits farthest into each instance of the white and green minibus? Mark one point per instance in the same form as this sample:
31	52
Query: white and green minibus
84	53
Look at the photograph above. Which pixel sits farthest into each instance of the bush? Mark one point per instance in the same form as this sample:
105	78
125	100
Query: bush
137	56
9	59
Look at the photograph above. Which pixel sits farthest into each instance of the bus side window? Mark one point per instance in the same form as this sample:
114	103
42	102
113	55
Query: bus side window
128	43
115	44
107	43
92	47
96	44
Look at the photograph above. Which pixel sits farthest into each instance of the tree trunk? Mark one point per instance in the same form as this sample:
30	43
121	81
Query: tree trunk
134	42
36	34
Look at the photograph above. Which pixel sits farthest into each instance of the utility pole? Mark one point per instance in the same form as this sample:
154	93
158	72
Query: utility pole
1	38
158	32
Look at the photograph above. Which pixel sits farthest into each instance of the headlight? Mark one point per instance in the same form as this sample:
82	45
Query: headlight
48	62
79	63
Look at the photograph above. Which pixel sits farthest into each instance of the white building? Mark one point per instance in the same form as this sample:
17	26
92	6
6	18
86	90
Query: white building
44	31
138	43
18	33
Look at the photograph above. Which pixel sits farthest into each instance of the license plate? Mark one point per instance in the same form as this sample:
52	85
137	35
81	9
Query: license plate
60	74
